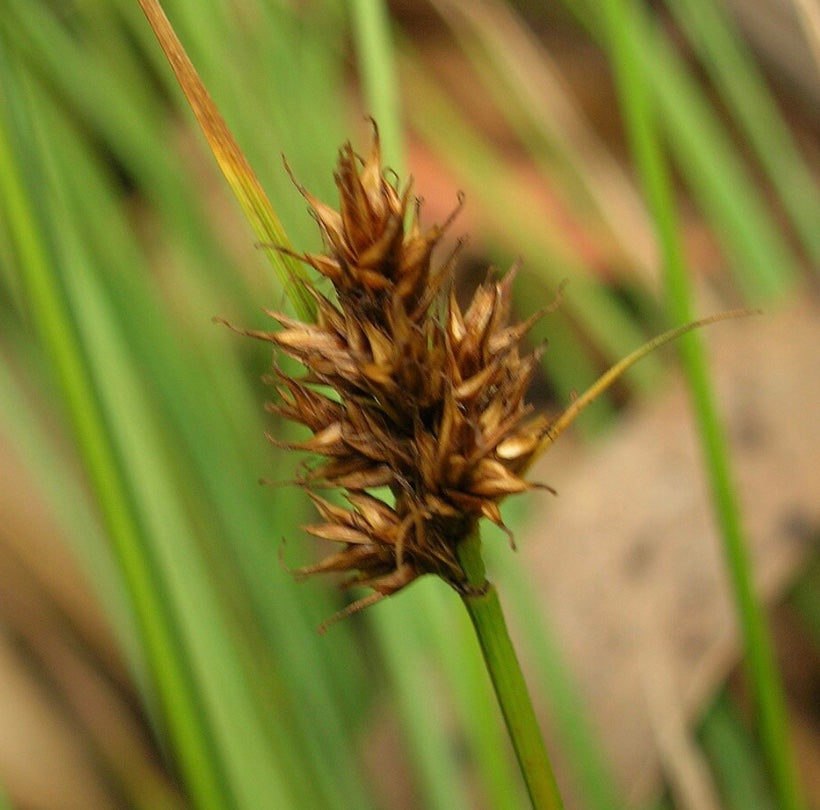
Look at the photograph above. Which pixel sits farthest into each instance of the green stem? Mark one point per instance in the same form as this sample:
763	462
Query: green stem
377	66
640	119
508	681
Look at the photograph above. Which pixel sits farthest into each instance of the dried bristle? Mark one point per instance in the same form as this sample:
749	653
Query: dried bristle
430	397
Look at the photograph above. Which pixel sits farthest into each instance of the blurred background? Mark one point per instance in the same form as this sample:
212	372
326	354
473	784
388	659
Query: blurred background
154	651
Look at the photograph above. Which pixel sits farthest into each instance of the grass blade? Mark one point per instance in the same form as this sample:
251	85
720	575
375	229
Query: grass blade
734	72
234	165
377	69
737	765
60	339
765	683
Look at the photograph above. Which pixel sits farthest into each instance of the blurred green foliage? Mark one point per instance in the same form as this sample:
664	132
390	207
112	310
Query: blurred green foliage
142	422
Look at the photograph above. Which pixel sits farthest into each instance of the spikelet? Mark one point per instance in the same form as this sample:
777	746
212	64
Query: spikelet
429	398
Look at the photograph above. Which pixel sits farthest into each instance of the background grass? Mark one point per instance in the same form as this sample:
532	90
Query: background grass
138	426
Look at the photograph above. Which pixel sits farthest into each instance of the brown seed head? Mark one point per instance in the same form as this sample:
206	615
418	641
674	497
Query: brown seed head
429	399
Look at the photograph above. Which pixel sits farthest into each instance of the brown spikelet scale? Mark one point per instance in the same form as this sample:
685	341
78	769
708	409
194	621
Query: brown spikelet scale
429	399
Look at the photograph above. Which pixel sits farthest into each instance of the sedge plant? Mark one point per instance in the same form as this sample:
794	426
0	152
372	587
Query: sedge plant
416	405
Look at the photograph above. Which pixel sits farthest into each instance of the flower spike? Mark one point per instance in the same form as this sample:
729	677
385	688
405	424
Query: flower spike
427	398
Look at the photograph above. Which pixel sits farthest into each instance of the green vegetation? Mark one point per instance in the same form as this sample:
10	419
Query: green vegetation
141	424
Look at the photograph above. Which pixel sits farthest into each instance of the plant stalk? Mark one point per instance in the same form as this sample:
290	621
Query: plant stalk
508	682
651	163
232	163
